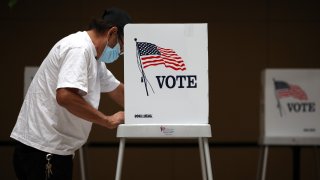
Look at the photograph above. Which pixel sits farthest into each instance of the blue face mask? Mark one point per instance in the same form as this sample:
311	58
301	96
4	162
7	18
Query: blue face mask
109	55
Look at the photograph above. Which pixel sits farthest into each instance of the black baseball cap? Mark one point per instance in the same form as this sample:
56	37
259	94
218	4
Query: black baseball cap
117	17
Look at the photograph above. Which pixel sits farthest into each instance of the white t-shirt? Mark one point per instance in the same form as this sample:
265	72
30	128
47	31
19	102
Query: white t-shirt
44	124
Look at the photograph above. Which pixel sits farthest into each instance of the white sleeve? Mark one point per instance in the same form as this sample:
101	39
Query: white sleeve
108	82
74	71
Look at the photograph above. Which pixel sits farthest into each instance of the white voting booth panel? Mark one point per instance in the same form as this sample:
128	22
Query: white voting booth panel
166	74
290	107
166	86
290	112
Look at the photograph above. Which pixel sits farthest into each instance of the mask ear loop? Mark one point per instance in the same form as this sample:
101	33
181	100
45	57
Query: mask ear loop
108	35
121	41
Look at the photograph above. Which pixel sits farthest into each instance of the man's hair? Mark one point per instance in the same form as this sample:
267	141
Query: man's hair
100	25
110	18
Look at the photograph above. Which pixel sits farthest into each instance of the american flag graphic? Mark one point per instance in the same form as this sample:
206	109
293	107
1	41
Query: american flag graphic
153	55
283	89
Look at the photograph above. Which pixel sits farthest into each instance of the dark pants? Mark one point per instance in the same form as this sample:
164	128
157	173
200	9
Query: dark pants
30	164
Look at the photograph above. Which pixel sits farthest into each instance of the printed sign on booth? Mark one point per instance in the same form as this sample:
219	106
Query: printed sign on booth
291	107
166	74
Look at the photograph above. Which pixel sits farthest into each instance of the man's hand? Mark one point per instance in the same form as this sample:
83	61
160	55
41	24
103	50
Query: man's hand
114	120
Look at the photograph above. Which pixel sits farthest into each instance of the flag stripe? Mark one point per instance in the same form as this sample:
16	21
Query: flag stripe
161	61
166	65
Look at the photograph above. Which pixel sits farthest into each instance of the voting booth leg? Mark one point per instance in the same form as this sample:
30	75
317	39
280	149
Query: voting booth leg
208	160
205	159
264	160
259	169
202	158
82	167
120	158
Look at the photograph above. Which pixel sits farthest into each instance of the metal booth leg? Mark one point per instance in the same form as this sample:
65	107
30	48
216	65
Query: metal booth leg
82	166
202	158
120	158
205	159
208	160
264	162
259	168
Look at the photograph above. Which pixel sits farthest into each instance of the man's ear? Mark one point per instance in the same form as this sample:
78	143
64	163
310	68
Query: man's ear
112	30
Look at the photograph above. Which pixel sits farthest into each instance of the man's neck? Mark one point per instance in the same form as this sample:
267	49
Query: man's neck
96	39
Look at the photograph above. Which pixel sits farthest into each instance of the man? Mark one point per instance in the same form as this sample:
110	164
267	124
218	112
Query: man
62	101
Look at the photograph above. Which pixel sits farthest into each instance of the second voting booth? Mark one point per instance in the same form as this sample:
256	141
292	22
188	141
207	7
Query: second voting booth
290	112
166	86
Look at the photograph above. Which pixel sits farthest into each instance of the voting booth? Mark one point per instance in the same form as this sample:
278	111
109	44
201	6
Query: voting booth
166	86
290	108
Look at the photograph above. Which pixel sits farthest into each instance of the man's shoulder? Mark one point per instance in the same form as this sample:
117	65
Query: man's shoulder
78	40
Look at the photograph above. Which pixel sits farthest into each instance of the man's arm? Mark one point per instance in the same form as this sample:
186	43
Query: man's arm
117	95
75	104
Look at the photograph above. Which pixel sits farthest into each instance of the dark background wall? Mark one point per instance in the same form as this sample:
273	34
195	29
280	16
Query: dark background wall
245	37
